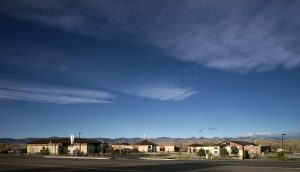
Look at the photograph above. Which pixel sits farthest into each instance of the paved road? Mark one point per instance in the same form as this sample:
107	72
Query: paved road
37	164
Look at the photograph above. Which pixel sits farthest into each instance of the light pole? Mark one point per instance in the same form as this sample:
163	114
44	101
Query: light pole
282	141
79	142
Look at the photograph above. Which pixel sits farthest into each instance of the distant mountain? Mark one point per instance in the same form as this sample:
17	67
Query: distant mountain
17	141
175	141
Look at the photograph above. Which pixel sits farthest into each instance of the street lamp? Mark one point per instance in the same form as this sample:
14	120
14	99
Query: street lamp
282	141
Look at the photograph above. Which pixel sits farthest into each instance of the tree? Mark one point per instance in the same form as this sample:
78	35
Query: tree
223	152
61	150
201	152
5	147
45	151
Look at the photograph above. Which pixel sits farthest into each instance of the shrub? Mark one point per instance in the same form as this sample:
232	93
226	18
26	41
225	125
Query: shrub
45	151
61	150
280	156
201	152
223	152
246	154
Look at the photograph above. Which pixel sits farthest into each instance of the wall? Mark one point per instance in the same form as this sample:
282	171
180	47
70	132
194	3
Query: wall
36	148
257	149
169	148
143	148
147	148
121	147
214	150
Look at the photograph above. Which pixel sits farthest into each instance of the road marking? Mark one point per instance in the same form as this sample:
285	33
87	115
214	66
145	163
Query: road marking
286	168
36	165
106	169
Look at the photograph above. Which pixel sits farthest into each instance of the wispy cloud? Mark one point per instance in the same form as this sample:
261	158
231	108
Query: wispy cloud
231	35
272	135
212	128
51	94
260	134
162	93
200	130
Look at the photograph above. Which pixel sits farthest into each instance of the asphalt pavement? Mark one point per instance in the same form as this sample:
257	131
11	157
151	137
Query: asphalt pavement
38	164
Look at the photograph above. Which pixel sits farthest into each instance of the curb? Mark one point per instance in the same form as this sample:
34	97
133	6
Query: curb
158	159
73	157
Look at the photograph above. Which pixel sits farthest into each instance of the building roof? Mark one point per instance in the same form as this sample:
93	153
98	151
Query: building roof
120	143
145	142
195	145
243	143
62	140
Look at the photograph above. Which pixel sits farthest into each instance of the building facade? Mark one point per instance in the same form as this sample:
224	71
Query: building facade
80	146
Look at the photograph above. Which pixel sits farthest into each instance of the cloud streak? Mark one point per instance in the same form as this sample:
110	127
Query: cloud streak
162	93
212	128
232	35
50	94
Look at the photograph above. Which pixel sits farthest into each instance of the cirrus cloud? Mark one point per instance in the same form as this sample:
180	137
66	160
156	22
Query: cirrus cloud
51	94
232	35
162	93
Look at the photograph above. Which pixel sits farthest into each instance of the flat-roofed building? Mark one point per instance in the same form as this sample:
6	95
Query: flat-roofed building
80	146
167	148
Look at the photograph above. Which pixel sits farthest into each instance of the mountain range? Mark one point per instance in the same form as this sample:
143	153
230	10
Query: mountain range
176	141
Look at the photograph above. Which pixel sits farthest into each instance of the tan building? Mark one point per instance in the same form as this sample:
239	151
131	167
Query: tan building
80	146
122	147
194	148
257	150
146	146
167	148
234	148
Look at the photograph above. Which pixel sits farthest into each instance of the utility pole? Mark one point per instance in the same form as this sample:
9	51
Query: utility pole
282	141
79	142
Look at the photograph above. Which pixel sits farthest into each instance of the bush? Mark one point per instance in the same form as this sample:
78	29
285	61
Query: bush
45	151
280	156
223	152
246	154
61	150
201	152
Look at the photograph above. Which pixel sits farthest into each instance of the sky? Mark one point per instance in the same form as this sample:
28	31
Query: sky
178	68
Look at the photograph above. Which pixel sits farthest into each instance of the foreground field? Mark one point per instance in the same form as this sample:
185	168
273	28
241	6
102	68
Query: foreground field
35	164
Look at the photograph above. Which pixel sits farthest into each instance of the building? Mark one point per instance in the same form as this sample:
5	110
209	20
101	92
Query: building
167	148
80	146
234	148
122	147
195	147
257	150
146	146
214	150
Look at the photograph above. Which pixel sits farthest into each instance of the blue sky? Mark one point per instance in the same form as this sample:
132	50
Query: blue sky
163	68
